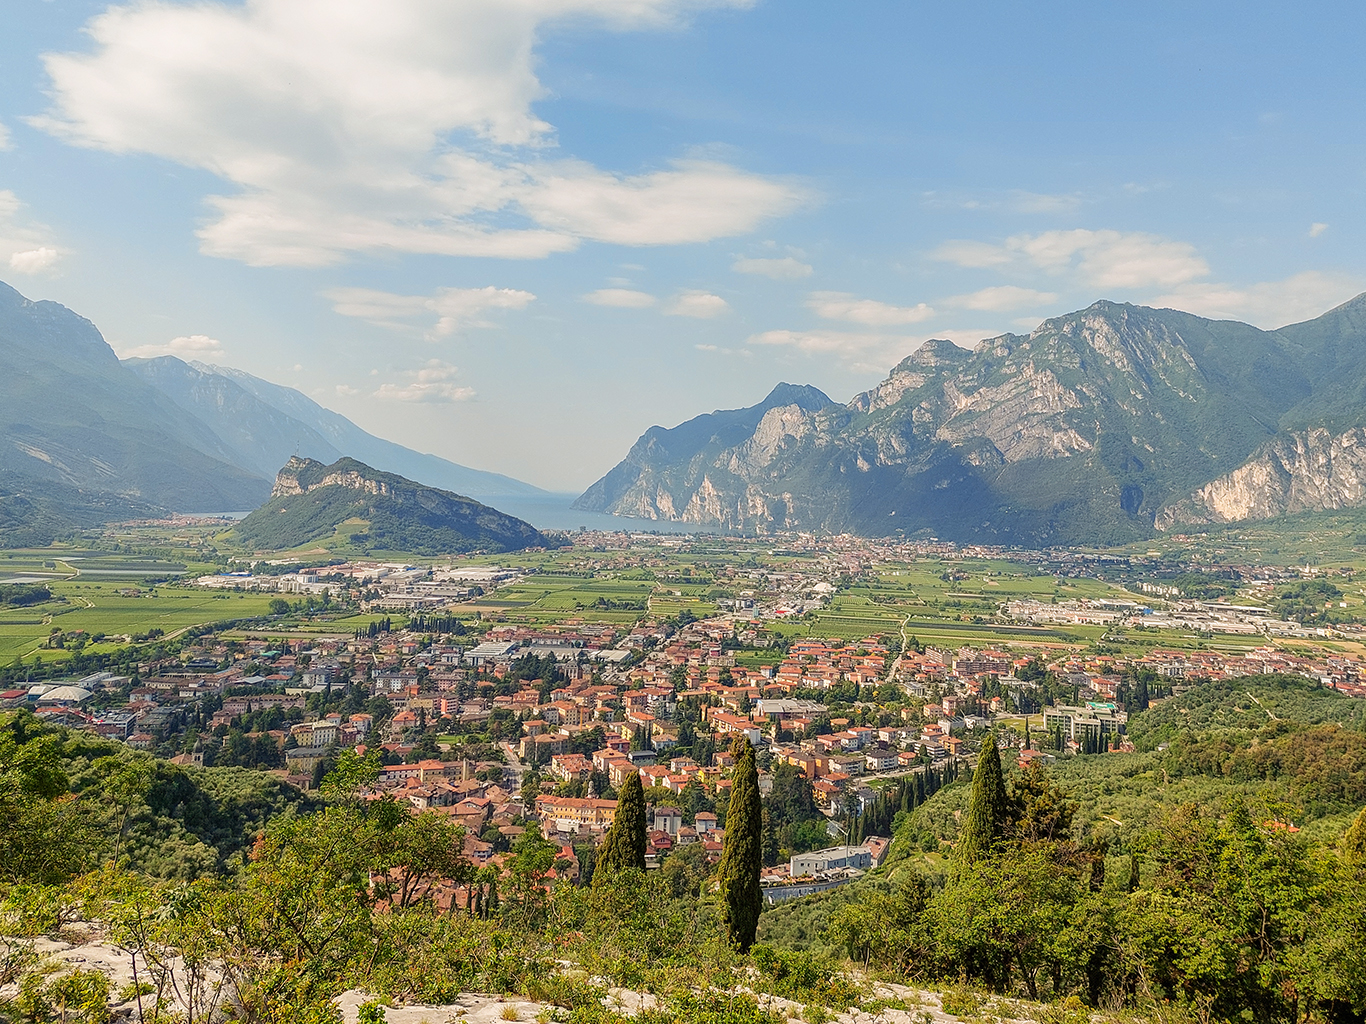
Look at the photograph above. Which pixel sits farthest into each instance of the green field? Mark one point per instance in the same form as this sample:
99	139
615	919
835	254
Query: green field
97	607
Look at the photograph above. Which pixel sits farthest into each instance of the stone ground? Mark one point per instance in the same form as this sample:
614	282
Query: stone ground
474	1008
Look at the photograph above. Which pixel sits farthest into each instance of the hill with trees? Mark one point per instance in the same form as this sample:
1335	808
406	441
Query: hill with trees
311	500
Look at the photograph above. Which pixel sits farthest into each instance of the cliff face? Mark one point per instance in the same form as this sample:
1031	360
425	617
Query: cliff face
1305	471
299	476
1098	426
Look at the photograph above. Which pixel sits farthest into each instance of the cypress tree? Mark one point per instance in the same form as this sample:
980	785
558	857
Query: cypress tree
742	852
985	823
624	845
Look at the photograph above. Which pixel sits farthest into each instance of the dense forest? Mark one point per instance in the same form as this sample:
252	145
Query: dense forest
1218	874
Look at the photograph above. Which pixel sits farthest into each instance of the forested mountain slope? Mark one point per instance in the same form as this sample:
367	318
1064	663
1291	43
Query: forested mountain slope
1099	426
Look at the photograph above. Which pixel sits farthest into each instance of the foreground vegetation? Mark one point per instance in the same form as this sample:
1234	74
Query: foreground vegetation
1220	878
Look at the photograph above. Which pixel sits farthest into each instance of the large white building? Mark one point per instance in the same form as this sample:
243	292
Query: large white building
837	858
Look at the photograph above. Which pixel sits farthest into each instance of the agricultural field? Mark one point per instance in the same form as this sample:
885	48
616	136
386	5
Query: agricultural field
114	609
549	597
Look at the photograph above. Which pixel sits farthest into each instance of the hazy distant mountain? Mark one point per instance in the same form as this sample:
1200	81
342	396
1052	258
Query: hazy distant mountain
215	394
665	474
1101	425
83	439
261	436
310	500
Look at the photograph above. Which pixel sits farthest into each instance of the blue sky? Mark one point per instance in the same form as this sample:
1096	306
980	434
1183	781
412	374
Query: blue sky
516	233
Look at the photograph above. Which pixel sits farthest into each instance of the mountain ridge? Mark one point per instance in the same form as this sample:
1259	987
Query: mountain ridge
1101	425
81	431
352	440
86	438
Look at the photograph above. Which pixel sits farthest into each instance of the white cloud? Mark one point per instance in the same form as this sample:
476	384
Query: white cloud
4	137
1268	304
1317	229
699	304
719	350
785	268
840	342
1002	298
26	247
1099	259
34	261
347	391
620	298
865	352
432	384
345	126
843	306
454	309
187	347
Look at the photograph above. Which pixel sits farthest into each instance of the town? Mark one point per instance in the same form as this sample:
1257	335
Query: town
485	710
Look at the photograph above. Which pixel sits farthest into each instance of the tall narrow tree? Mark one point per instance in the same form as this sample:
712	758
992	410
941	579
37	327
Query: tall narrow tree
985	823
624	845
742	852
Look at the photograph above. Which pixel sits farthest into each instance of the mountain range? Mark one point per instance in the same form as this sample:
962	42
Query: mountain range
310	500
85	438
1100	426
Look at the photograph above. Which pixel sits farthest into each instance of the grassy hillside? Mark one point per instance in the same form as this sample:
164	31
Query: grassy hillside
314	500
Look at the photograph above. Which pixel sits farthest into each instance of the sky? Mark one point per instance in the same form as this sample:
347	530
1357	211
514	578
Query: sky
517	233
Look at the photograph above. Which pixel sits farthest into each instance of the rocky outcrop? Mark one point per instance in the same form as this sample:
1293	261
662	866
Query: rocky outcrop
311	501
1097	427
1306	471
299	476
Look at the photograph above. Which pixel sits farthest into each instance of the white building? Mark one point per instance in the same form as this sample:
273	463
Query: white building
837	858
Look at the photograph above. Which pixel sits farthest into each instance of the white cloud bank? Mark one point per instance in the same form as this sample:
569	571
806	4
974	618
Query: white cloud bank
1099	259
448	310
870	312
1268	304
348	126
1002	299
862	351
187	347
25	247
433	384
1136	262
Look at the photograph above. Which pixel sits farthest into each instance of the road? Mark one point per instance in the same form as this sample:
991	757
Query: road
513	769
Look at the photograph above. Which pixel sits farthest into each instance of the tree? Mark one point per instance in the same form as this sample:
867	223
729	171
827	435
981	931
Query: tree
988	810
742	853
623	847
1039	810
41	836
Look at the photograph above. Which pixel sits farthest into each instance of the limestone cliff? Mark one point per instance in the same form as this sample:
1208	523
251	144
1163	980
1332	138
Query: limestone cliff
1305	471
1095	427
